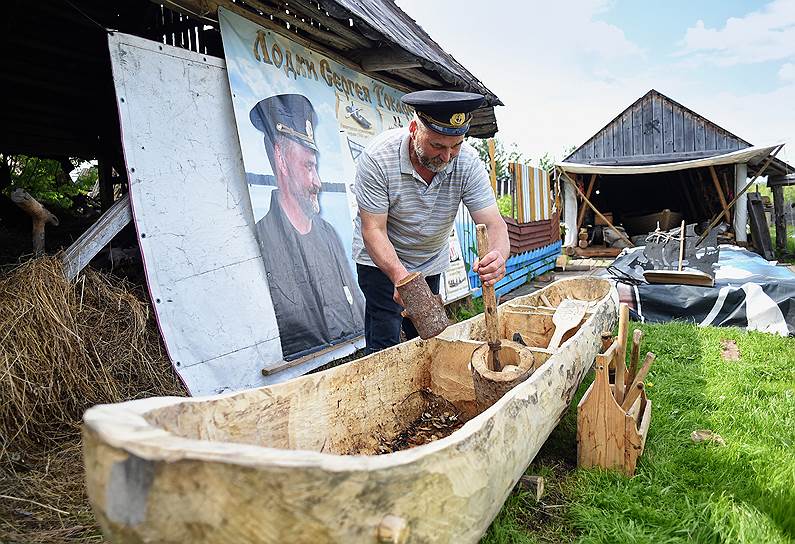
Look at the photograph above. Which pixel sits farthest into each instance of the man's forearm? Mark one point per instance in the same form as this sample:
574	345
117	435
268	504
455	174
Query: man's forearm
498	239
383	254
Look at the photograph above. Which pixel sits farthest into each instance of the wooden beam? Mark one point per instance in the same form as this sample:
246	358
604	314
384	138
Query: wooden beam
581	215
789	179
417	76
85	248
387	58
596	211
310	9
778	213
721	196
208	10
740	193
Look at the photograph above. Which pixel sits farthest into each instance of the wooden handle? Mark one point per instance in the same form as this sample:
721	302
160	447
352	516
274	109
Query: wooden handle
634	358
621	353
489	297
681	244
644	370
632	396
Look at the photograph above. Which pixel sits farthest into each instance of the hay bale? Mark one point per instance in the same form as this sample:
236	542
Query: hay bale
65	346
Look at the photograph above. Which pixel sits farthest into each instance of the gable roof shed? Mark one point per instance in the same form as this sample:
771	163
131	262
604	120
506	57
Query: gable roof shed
656	130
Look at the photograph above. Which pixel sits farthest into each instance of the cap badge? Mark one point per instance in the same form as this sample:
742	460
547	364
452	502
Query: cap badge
309	129
458	119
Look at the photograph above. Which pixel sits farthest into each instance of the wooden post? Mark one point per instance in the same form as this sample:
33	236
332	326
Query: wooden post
39	215
621	352
489	301
721	196
581	216
493	164
778	212
597	212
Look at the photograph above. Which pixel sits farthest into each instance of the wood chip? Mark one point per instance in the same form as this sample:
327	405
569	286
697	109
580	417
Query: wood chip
729	350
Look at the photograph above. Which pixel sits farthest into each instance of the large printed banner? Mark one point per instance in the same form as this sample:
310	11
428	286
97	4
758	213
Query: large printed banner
302	120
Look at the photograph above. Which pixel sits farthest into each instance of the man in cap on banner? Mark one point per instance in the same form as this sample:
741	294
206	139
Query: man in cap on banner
315	297
409	185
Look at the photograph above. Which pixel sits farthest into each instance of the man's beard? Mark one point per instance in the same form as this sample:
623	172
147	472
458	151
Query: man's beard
309	203
434	165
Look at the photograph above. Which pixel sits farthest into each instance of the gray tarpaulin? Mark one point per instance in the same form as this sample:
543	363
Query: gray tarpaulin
749	293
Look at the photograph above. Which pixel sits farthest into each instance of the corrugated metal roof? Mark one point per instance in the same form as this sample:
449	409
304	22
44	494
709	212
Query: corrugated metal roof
390	22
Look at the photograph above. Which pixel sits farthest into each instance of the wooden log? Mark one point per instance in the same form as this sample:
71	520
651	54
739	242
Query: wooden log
489	303
532	484
311	471
39	215
424	308
490	385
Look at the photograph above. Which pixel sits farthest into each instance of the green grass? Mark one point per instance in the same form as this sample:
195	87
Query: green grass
743	492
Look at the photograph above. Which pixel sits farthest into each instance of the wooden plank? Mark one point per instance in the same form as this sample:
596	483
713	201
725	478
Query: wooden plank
637	130
688	129
311	9
85	248
778	214
721	196
626	134
710	136
598	145
668	127
699	146
720	140
679	137
387	58
648	127
618	141
608	142
760	232
657	133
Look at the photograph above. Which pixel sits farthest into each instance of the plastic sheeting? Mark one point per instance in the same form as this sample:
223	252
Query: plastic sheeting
742	156
749	293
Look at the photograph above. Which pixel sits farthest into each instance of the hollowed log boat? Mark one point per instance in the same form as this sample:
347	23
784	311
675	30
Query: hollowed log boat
299	461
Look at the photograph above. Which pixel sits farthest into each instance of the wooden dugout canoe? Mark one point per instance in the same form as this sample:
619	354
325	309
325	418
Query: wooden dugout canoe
271	464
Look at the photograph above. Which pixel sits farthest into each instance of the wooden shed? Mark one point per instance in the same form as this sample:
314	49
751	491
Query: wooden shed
58	84
659	158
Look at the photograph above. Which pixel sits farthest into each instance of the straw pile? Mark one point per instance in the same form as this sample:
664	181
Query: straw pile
63	348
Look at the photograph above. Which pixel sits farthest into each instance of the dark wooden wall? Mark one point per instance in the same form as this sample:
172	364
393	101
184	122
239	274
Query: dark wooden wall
656	129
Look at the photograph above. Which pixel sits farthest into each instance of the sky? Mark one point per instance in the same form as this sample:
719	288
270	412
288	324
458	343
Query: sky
565	68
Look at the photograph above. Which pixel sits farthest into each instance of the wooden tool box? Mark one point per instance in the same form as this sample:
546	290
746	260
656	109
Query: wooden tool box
613	418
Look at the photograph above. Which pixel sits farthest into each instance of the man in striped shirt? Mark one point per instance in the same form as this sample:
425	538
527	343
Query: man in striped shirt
409	185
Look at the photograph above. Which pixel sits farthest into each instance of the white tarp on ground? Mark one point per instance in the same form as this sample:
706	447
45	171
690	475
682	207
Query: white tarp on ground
741	156
194	219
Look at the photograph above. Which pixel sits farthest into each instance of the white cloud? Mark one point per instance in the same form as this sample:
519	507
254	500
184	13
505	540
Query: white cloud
787	72
759	36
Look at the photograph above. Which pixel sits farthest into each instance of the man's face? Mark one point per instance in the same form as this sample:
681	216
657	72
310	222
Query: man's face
434	151
300	173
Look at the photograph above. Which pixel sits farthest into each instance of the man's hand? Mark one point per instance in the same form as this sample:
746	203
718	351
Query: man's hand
491	269
396	298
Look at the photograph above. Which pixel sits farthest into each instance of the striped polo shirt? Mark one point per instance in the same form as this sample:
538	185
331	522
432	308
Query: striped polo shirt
420	215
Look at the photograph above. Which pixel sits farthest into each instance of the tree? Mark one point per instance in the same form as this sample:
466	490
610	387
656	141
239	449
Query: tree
46	180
